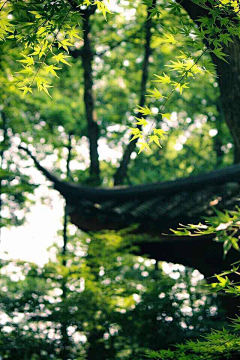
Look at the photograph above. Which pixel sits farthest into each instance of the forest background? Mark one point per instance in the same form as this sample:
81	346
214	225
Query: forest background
93	299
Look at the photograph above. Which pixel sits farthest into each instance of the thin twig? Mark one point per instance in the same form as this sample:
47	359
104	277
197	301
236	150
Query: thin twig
3	5
179	82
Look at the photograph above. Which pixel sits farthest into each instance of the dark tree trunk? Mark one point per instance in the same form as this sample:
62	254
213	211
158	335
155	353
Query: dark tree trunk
229	83
228	77
93	129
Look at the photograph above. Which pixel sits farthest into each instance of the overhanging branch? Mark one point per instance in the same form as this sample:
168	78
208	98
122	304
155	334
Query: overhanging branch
49	175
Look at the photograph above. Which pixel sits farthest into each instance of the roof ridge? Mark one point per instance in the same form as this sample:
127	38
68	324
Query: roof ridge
190	183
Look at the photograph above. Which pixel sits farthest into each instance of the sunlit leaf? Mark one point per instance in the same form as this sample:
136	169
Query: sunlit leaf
141	121
25	89
155	139
61	57
165	79
144	110
143	146
155	94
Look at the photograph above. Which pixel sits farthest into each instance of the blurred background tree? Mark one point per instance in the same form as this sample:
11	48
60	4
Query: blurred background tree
93	299
113	306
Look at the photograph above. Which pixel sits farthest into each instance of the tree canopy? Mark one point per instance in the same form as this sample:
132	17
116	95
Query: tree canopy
83	83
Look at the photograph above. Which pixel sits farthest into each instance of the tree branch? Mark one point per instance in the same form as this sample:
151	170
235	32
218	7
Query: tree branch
122	169
65	336
68	174
47	173
93	128
4	144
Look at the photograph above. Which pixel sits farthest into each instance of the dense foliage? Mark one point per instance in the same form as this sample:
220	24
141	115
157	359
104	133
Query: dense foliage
217	345
104	303
45	27
176	64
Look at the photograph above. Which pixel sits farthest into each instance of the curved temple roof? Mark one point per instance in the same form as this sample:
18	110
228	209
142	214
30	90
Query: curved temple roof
155	207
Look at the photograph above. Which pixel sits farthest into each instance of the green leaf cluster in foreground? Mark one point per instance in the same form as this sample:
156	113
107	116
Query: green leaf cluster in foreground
104	304
223	344
215	346
225	225
44	28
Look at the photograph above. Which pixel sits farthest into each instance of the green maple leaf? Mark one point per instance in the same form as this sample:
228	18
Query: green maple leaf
143	146
160	133
165	79
64	44
144	110
61	58
169	38
155	94
154	138
51	69
73	33
25	89
137	134
141	121
28	60
220	54
167	116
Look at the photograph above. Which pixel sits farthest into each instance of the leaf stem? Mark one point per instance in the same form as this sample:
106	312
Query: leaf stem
3	5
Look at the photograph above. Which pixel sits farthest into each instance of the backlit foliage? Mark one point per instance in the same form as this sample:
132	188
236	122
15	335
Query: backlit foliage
218	344
48	29
225	225
213	33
